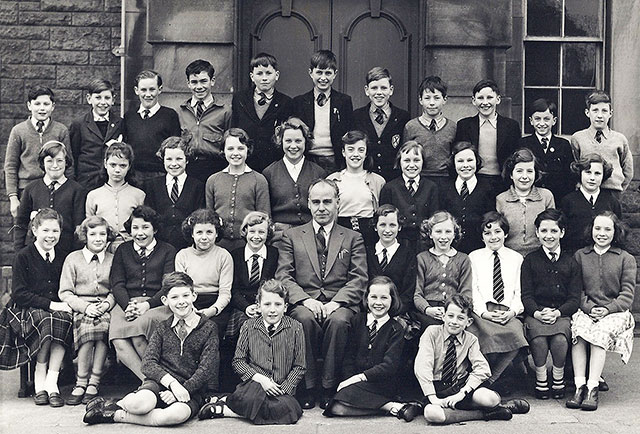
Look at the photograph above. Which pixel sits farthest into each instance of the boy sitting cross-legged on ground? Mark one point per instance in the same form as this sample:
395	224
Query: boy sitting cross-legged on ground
180	358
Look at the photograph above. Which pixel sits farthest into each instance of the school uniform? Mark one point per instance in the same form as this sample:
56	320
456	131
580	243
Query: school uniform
28	322
379	360
468	212
279	355
555	163
384	144
401	269
172	214
436	145
260	127
88	136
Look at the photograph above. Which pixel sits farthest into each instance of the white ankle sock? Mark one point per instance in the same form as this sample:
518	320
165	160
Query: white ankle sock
580	381
541	378
39	376
558	377
51	383
592	384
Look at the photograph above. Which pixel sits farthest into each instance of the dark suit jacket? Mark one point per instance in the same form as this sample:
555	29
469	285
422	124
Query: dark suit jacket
243	115
401	269
383	148
172	214
88	146
243	294
507	140
555	164
346	270
340	121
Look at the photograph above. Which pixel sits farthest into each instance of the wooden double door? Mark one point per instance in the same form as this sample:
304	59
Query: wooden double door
362	34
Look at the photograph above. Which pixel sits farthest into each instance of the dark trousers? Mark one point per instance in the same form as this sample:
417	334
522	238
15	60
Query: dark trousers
327	340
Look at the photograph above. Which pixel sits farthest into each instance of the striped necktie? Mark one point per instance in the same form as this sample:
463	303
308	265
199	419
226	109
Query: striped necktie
373	332
271	330
385	259
254	276
379	116
498	284
433	125
146	113
40	127
450	362
174	190
599	136
52	190
199	109
181	329
464	190
411	187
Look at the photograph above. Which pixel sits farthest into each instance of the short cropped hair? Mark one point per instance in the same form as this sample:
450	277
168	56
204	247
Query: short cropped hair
409	145
294	123
99	85
202	216
37	91
378	73
457	148
273	286
585	161
619	227
542	105
148	73
354	136
385	210
145	213
324	59
176	279
198	66
93	222
462	301
522	155
396	303
51	149
175	142
596	97
495	217
242	136
120	150
46	214
432	83
486	83
438	217
263	59
255	218
330	182
554	215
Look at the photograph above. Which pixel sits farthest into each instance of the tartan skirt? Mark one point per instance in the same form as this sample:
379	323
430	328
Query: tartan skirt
236	319
24	330
614	332
86	329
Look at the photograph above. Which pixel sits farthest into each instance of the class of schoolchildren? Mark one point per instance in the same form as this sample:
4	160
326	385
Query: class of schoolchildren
259	259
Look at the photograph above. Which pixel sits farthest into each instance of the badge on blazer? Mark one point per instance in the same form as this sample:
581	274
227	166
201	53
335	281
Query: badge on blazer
395	140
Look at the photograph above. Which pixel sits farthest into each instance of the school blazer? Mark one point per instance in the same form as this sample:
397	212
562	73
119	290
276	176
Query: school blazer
243	115
402	269
346	270
385	147
340	121
508	135
242	294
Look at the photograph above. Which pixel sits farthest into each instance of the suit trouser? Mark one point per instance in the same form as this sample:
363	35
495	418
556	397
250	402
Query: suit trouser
329	339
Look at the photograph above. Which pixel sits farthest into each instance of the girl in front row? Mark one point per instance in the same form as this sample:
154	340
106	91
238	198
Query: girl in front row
603	322
270	360
36	324
84	285
373	359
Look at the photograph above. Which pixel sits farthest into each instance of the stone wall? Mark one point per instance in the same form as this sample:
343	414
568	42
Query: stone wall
62	44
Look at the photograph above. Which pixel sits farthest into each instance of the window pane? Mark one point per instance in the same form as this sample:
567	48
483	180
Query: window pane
530	95
544	17
579	64
573	117
582	18
542	64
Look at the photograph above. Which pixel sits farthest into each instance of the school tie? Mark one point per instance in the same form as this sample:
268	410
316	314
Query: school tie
40	127
599	136
254	276
321	245
379	116
94	258
199	109
174	190
263	99
181	329
271	330
410	187
553	256
464	190
498	284
373	332
47	257
385	259
52	190
142	253
145	114
545	144
321	99
591	201
432	125
450	362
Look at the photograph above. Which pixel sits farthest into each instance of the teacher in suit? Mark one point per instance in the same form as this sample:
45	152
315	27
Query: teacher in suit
324	267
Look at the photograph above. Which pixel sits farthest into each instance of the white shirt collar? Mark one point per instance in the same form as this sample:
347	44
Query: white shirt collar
601	251
47	181
493	120
391	250
247	169
98	118
248	253
316	93
548	137
181	179
207	101
557	251
471	183
293	167
35	123
192	320
88	255
416	181
269	95
148	249
587	195
327	227
275	326
451	253
152	111
381	321
43	253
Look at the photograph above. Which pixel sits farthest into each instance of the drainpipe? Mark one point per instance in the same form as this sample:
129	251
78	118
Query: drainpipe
120	52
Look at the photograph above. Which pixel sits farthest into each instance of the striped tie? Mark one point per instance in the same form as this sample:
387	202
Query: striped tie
464	190
449	365
411	187
385	259
174	190
254	276
433	125
52	190
271	330
599	136
379	116
498	284
199	109
373	332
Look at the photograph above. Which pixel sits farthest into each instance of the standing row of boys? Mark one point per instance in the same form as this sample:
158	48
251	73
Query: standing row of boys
119	298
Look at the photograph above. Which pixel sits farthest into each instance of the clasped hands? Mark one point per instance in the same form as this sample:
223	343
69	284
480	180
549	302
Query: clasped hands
547	315
320	310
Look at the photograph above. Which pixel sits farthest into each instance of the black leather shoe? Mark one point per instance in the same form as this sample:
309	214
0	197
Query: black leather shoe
558	393
590	402
94	403
578	397
41	398
327	396
76	399
603	386
498	413
542	394
55	399
409	411
306	399
98	415
517	406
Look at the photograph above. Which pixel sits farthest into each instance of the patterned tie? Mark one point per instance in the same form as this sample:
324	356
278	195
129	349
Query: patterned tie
498	284
271	330
40	127
450	362
263	99
599	136
464	191
174	190
199	109
411	187
432	125
321	245
553	256
181	329
321	99
145	113
545	144
52	190
385	259
379	116
373	332
142	253
47	257
95	258
254	276
591	201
